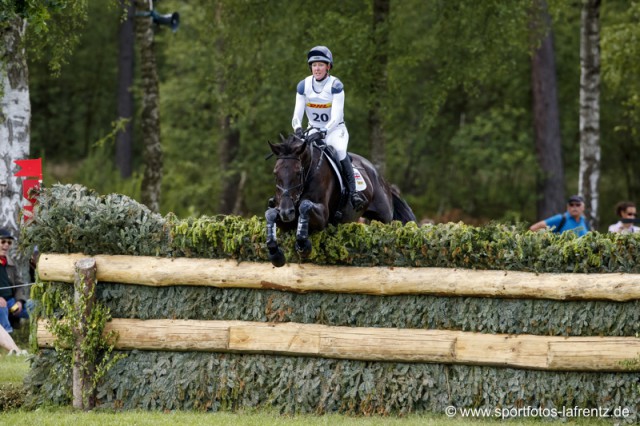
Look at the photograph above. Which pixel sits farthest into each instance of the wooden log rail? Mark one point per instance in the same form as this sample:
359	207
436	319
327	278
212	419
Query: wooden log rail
373	344
154	271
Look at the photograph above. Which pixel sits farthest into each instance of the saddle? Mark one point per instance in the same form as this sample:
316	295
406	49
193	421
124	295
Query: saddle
332	157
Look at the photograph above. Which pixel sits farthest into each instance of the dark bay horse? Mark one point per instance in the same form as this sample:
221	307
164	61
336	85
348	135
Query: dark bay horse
309	196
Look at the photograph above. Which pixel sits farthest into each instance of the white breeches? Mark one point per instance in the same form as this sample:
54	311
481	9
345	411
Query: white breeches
338	138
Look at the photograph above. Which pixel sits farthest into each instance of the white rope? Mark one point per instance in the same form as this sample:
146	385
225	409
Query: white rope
21	285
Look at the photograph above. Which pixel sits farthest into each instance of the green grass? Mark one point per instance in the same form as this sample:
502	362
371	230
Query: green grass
67	416
13	369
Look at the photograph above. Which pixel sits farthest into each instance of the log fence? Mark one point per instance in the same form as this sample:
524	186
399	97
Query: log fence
576	353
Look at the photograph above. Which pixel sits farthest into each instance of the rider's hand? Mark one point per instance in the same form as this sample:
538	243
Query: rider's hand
323	131
298	132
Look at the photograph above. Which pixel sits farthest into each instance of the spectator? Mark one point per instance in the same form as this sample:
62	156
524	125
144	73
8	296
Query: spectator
571	220
6	341
626	211
12	290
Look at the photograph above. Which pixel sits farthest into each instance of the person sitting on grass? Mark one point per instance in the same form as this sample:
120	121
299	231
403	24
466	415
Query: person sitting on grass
13	295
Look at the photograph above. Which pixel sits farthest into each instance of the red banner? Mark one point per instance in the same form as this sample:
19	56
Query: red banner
30	168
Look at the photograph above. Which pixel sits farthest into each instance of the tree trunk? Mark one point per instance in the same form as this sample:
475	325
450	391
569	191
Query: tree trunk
546	117
124	139
380	31
150	120
15	119
231	180
228	149
590	109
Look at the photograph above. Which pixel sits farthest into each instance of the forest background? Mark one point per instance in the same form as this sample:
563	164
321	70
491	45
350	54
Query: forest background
444	87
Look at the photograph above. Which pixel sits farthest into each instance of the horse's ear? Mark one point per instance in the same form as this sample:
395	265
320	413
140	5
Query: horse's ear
275	148
282	138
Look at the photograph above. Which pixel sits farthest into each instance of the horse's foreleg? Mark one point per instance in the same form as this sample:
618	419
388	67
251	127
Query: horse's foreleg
276	255
303	245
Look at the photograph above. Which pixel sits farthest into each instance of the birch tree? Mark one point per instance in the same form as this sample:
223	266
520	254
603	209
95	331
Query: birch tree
590	109
27	28
53	28
15	117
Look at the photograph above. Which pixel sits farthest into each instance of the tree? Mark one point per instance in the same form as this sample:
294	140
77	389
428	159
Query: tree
53	28
124	139
150	119
621	75
589	176
546	117
380	41
15	117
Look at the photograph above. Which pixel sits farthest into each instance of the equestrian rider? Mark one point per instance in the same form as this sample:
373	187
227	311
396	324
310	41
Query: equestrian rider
321	96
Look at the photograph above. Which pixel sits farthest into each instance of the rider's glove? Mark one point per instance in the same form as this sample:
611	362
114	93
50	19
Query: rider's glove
298	132
323	131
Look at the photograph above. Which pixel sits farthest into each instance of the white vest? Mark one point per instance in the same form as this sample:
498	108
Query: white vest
318	105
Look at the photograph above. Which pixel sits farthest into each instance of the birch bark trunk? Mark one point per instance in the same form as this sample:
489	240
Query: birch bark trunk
590	109
15	120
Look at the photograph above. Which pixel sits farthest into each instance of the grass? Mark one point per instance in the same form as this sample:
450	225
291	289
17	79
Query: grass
13	369
67	416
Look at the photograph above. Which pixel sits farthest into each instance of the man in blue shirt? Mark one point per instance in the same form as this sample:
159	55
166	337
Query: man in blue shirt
571	220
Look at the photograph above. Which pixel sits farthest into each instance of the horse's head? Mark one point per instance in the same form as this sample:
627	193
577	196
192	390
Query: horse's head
290	173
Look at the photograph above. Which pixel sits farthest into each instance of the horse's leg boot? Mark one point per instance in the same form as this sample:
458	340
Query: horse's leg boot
358	200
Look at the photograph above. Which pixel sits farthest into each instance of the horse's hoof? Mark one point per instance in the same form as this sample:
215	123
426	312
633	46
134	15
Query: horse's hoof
303	247
277	258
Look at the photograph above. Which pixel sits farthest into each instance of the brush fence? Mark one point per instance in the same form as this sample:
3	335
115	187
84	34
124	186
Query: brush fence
484	367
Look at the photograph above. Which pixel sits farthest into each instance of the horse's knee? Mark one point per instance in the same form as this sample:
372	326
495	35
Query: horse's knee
305	207
271	215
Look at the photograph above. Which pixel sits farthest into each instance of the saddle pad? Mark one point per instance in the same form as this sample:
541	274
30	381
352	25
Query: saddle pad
361	185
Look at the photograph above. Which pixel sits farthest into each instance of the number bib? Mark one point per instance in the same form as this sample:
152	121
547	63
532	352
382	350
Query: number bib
318	106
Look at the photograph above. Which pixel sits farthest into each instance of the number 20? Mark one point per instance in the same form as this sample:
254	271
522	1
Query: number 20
320	117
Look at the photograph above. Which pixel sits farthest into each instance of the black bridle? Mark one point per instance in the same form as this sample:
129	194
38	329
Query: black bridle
304	176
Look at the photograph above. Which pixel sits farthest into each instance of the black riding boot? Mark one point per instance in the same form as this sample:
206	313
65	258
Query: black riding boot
358	199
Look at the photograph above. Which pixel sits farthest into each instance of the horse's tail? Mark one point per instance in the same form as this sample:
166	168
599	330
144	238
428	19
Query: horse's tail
401	210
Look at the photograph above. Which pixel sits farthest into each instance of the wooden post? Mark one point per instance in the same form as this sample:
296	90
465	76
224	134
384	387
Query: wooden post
84	285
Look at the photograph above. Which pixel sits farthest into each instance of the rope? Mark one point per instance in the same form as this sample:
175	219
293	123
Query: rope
21	285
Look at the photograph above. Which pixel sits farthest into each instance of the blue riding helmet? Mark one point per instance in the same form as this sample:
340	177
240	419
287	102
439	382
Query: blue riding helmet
320	54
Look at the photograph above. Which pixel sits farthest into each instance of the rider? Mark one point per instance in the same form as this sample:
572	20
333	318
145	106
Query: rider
321	96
